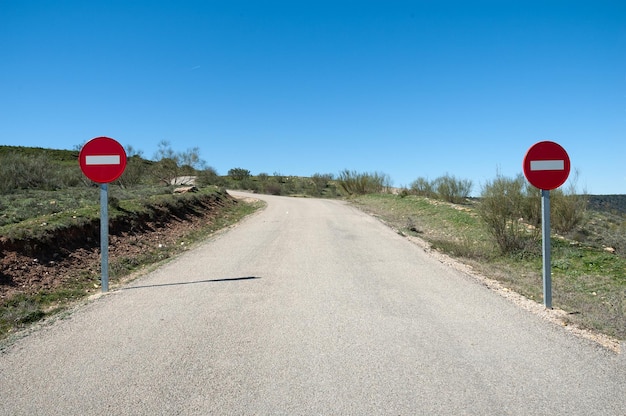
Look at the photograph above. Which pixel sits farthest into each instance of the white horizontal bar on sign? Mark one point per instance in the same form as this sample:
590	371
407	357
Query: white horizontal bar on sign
547	165
103	160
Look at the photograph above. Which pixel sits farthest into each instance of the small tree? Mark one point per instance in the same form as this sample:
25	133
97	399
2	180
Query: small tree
208	176
165	171
501	207
451	189
191	158
422	187
239	174
135	168
164	151
170	164
567	207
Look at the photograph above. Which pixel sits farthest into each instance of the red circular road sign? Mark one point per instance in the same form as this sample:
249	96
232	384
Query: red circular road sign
102	159
546	165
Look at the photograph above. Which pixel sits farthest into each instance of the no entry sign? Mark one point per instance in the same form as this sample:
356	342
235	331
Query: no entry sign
546	165
102	159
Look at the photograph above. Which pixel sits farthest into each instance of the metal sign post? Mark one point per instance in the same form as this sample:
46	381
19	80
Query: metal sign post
104	235
545	246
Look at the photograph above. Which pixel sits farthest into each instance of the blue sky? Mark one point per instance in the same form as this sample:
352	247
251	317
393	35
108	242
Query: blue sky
408	88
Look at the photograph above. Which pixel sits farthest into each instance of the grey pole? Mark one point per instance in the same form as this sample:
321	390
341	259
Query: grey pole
545	234
104	235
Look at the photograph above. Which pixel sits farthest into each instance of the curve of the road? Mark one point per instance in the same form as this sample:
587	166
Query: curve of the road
308	307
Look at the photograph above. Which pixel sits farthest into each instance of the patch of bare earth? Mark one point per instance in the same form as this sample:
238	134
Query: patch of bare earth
77	256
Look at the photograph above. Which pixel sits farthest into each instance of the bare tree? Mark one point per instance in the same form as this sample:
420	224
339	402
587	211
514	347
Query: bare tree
171	165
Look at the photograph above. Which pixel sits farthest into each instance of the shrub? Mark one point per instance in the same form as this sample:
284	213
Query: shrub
321	182
273	188
170	164
208	176
451	189
23	171
249	184
503	202
165	170
447	188
133	173
353	183
72	176
239	174
422	187
567	208
530	201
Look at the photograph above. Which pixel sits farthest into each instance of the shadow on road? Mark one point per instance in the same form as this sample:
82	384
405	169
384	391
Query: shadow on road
228	279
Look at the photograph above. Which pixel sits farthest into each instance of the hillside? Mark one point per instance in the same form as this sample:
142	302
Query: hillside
608	203
53	154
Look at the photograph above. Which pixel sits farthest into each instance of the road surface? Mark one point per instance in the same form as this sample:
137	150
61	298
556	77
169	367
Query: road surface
307	308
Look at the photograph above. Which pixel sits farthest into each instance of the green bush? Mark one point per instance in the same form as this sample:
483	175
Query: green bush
530	202
353	183
273	188
208	176
422	187
502	206
71	176
447	188
451	189
239	174
512	207
134	173
34	171
567	208
321	182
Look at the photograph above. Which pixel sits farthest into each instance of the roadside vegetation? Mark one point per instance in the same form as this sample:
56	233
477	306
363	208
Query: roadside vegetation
43	193
319	185
447	188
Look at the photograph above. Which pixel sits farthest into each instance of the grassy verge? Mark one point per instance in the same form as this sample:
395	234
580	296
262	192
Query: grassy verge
20	310
588	282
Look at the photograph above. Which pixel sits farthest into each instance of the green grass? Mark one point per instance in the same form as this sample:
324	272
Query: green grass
588	282
31	204
39	214
451	228
24	309
69	156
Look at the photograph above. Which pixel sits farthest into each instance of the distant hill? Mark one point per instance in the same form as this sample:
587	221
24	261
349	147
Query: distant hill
53	154
610	203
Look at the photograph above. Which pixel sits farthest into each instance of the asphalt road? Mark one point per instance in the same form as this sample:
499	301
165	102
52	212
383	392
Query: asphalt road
307	308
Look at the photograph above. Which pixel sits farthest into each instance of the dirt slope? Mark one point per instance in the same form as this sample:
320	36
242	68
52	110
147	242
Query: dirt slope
28	266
